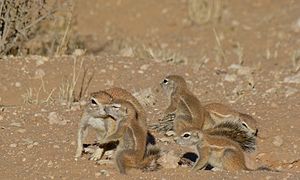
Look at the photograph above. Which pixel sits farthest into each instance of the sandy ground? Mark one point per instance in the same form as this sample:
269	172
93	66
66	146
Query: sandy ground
246	60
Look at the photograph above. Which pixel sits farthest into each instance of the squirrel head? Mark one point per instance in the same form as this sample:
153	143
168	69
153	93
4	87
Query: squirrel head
172	84
95	105
189	138
120	109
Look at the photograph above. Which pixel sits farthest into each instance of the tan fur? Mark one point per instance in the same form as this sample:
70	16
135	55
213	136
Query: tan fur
119	93
132	136
184	104
91	117
220	112
95	117
218	151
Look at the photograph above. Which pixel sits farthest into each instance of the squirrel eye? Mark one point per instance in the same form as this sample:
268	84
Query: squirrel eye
245	125
116	106
186	135
93	102
165	81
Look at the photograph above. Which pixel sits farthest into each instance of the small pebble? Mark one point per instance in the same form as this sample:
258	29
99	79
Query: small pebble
18	84
13	145
278	141
21	130
16	124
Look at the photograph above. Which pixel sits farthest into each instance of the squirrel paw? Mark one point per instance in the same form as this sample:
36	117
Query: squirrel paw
97	155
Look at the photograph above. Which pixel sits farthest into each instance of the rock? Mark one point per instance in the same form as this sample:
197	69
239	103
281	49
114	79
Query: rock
73	143
75	107
30	146
278	141
50	164
290	91
260	155
15	124
78	52
104	162
144	67
39	73
296	26
234	66
268	177
102	172
39	60
21	130
230	77
18	84
54	118
127	52
97	174
293	79
1	118
13	145
244	70
169	160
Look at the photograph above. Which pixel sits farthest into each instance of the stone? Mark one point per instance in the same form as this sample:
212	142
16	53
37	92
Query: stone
39	73
230	77
293	79
169	160
15	124
290	91
54	118
21	130
278	141
13	145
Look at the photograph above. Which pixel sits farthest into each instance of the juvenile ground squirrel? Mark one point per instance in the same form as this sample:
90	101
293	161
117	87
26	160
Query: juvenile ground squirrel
184	104
132	136
95	117
220	152
220	113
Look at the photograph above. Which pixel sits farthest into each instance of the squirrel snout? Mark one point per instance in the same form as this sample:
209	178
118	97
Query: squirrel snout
106	109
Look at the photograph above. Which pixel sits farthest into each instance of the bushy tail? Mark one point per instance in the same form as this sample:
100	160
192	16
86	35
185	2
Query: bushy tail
235	132
149	162
265	168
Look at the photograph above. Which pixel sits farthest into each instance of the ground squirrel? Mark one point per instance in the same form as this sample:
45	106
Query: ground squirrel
218	151
94	116
132	136
184	104
220	113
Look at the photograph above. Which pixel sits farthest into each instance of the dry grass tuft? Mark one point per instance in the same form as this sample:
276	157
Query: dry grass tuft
133	48
18	22
67	92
